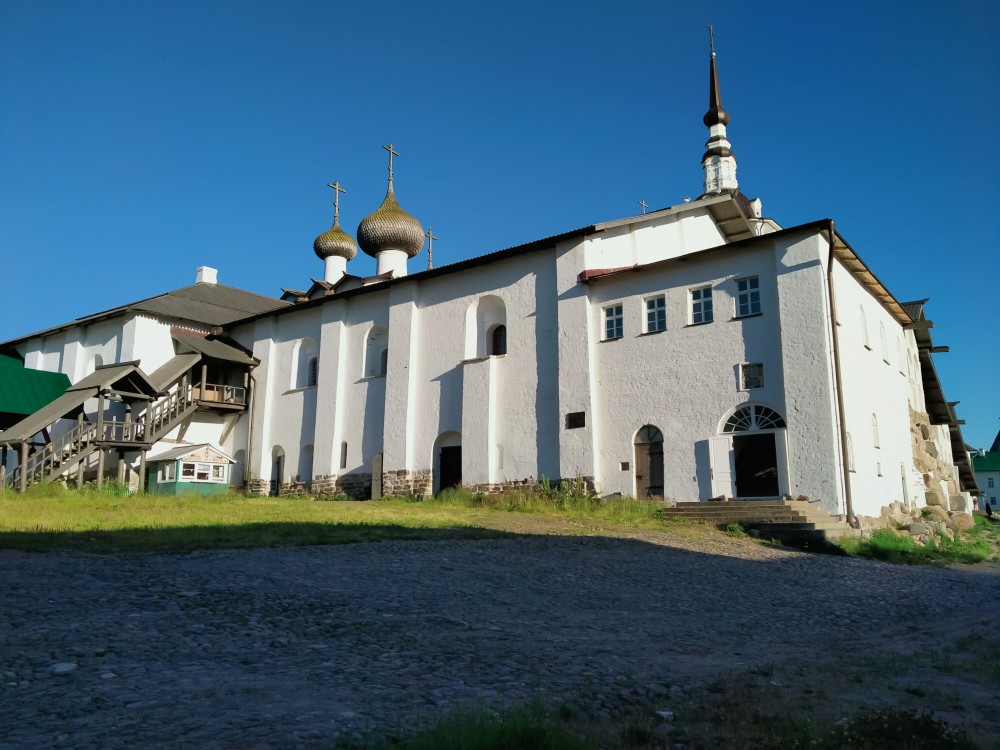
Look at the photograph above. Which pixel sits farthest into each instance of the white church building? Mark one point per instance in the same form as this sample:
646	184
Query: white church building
696	352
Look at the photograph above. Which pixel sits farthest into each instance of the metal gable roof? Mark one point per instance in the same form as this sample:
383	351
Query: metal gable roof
24	391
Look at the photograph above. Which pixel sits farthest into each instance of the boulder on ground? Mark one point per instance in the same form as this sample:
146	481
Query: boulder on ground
917	528
958	503
962	521
937	513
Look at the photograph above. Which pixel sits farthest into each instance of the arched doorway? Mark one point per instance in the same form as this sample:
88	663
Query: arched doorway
277	470
447	461
648	462
751	456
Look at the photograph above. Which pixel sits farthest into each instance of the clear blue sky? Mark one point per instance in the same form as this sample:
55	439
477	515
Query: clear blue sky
141	140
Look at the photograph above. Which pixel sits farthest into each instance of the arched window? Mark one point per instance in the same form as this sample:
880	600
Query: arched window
302	368
376	352
482	319
313	376
850	453
885	347
753	417
864	329
498	339
875	430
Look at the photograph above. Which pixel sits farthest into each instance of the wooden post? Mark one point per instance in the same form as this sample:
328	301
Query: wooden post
100	418
142	471
100	468
23	483
121	467
3	469
127	431
204	382
80	467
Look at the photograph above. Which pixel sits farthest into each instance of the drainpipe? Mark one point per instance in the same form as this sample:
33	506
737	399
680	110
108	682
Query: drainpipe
839	383
252	397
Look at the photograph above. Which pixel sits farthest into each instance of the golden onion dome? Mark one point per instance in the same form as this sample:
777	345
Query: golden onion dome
335	241
390	228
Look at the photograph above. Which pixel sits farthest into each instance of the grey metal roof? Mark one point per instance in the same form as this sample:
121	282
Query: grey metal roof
204	304
173	369
185	450
211	348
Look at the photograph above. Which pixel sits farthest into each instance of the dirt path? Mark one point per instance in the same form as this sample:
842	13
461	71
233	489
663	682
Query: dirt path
296	647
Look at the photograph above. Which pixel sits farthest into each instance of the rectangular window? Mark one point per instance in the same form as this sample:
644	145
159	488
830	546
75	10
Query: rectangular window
747	297
614	322
751	376
990	481
187	471
219	473
576	420
202	473
168	472
701	305
656	314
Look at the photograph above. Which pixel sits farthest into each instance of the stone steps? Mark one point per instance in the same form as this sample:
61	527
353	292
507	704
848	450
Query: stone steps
789	521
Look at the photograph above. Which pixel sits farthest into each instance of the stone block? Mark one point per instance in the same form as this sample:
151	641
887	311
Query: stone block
958	503
962	521
918	528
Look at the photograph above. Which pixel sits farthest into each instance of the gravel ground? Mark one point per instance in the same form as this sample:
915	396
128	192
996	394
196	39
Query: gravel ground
296	647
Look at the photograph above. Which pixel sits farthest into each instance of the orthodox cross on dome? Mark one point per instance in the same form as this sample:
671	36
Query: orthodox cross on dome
337	190
429	234
644	206
392	152
711	37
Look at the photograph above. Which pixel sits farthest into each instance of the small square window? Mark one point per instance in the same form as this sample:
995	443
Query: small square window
187	471
701	305
219	473
751	375
625	465
656	314
614	322
576	419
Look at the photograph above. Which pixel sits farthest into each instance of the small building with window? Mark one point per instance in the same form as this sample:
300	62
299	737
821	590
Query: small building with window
189	470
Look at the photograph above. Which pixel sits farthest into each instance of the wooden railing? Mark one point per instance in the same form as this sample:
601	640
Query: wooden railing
222	394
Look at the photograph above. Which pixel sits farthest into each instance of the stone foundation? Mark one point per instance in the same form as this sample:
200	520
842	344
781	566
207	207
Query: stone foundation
919	523
403	483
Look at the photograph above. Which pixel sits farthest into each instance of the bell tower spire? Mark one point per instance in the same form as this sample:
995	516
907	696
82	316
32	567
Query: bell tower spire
718	163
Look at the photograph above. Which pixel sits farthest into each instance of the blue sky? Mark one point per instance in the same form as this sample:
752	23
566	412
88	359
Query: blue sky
141	140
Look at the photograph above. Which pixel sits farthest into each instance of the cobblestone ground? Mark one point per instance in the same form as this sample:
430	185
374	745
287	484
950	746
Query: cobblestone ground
297	647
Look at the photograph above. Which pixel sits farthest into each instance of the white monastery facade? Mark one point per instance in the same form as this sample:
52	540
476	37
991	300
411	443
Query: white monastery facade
695	352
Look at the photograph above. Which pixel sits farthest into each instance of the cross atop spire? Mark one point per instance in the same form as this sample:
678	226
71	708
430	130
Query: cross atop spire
711	38
392	152
716	115
718	162
429	234
337	190
644	206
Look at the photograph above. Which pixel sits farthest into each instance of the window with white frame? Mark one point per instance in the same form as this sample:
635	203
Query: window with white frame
885	347
614	322
656	314
701	305
168	472
199	472
747	297
751	375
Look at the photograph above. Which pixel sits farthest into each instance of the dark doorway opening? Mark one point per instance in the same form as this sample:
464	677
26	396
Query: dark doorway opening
277	475
451	466
649	462
756	465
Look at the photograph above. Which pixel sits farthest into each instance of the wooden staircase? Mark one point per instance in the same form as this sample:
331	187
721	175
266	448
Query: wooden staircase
795	522
83	440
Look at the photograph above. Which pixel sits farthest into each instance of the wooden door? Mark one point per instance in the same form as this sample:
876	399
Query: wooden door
721	457
649	470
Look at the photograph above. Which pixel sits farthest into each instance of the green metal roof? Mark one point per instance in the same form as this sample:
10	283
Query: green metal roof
989	461
24	391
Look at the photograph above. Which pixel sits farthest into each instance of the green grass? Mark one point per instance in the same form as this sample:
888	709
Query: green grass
968	547
54	517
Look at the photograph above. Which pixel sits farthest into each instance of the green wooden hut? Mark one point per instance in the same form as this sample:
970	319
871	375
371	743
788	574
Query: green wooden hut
189	470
